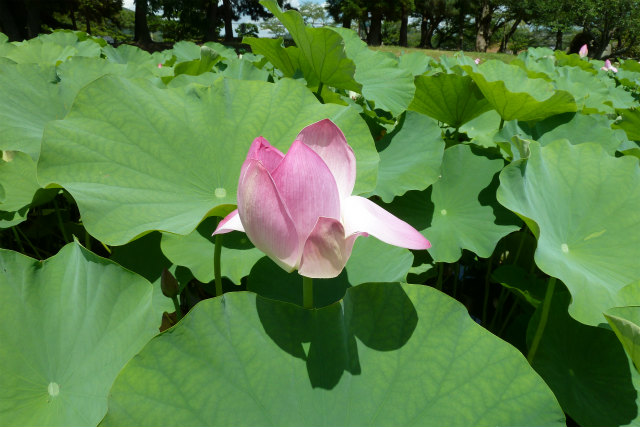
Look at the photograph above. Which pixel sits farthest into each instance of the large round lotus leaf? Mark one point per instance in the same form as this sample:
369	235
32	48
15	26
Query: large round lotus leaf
195	251
449	98
625	322
29	98
321	50
576	128
383	81
587	369
410	156
460	210
76	319
586	205
282	58
515	96
138	158
38	51
387	354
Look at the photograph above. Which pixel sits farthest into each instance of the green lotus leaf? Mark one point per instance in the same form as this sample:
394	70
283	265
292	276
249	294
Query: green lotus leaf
321	49
244	70
630	123
76	320
270	281
222	50
515	278
572	60
460	210
195	251
138	158
18	180
280	57
127	54
515	96
410	156
582	204
185	51
449	98
383	81
52	49
29	98
587	369
625	322
416	63
576	128
77	72
144	257
246	360
208	58
592	94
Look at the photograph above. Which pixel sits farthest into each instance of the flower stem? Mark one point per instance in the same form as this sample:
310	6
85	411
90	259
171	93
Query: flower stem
216	264
501	123
176	305
307	292
544	316
319	93
487	288
440	273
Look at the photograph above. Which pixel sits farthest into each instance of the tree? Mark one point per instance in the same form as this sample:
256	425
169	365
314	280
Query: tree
313	14
141	31
272	24
432	13
247	29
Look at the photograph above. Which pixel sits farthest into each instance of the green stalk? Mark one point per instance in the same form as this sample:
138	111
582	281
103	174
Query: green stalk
440	274
31	245
510	314
307	292
487	287
544	316
87	240
176	305
60	224
319	92
501	300
455	279
501	123
17	237
216	264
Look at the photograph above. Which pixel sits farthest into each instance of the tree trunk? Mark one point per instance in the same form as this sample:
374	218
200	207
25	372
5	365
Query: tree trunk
461	15
404	23
228	20
72	15
7	21
508	35
141	31
483	27
346	21
34	19
425	33
88	25
558	40
375	30
211	32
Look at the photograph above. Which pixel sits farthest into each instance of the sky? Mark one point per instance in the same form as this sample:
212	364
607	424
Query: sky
129	4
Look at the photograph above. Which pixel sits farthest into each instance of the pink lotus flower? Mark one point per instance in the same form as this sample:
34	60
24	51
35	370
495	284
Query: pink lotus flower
159	65
584	51
609	67
298	208
477	61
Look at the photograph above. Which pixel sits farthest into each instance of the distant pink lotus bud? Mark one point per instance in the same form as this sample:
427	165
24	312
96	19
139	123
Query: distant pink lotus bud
609	67
298	208
477	61
159	65
584	51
